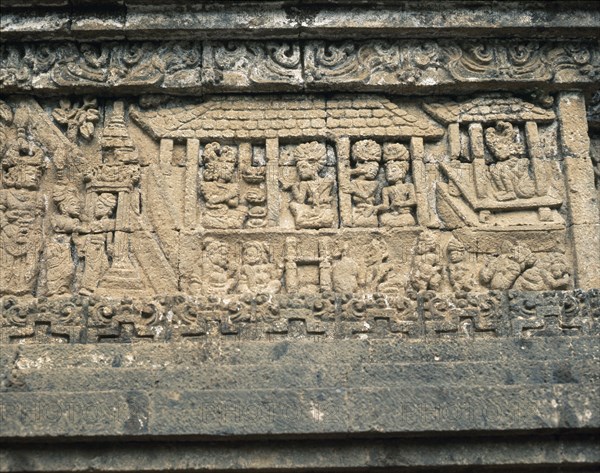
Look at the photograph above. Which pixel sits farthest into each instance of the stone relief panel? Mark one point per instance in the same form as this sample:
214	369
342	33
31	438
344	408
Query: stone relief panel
176	218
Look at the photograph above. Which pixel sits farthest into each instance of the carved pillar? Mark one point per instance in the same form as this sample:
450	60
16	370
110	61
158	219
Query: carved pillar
477	156
454	140
343	171
291	268
417	154
325	264
535	155
191	182
581	192
166	155
273	196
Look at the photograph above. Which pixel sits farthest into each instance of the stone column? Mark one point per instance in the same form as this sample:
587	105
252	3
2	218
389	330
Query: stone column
191	182
273	196
582	198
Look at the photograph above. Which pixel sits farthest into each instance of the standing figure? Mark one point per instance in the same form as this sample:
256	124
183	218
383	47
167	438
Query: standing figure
426	272
220	192
20	208
398	198
363	188
258	274
312	199
98	243
20	246
459	270
345	272
59	262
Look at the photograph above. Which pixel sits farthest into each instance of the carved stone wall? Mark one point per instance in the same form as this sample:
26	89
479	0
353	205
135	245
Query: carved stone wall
333	177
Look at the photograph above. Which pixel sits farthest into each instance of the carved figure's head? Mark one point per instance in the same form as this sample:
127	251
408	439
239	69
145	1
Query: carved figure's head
310	160
377	252
456	251
427	243
105	205
397	161
23	163
66	199
217	253
255	253
23	176
504	141
557	266
523	256
367	154
220	162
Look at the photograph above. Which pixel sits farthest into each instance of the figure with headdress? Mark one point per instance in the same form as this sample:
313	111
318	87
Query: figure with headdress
398	197
459	270
20	243
510	172
23	163
312	198
363	188
218	271
98	243
379	273
66	222
258	274
221	194
20	209
426	271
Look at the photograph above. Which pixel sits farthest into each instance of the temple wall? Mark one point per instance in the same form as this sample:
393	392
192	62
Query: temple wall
282	236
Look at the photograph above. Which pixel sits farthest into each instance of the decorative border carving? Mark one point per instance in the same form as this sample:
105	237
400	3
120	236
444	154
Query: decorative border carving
424	315
376	65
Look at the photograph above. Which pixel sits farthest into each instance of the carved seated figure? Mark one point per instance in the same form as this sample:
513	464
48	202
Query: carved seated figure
217	270
550	272
221	194
510	173
380	274
363	188
258	274
398	198
312	197
501	272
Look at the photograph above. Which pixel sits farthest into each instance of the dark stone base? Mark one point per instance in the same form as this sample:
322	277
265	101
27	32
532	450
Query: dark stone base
511	404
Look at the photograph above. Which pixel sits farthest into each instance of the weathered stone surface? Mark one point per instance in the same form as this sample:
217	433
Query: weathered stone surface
299	236
300	387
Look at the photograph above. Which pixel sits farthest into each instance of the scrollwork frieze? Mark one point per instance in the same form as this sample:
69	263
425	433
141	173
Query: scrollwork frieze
146	66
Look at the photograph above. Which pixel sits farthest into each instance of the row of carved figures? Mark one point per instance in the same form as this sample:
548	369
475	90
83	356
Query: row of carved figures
224	268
